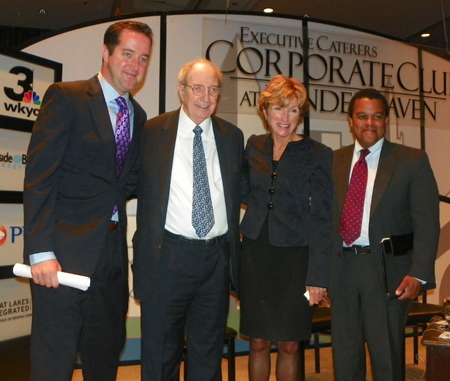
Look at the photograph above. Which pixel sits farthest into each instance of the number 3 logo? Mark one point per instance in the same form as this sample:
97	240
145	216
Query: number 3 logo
26	84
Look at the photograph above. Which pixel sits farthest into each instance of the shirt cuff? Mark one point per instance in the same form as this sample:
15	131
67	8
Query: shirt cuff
41	257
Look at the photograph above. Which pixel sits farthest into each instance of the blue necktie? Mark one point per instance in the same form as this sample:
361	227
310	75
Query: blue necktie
202	210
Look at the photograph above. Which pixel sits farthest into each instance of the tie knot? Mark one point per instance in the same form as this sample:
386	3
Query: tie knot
197	130
121	102
363	154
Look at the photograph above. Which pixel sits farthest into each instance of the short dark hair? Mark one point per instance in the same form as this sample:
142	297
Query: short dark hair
112	35
370	94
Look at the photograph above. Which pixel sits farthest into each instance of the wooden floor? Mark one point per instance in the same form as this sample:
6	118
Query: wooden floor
414	372
14	365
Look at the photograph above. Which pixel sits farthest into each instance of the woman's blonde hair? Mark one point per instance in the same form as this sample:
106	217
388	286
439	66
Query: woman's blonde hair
281	90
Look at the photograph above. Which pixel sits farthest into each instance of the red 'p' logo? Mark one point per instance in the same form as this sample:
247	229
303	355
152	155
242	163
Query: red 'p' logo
2	235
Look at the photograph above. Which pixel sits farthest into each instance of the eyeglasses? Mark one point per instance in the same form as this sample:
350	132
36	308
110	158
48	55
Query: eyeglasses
214	91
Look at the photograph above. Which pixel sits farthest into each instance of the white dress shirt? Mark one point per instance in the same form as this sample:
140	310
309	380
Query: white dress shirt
179	210
372	160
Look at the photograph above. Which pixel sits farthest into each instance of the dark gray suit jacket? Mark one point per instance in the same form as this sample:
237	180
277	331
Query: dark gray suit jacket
153	193
70	183
405	200
302	200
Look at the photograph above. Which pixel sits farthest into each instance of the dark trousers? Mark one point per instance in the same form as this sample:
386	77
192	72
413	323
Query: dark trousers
67	321
362	314
190	295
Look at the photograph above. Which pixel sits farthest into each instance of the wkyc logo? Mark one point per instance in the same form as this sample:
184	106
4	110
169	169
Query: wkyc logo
16	231
25	94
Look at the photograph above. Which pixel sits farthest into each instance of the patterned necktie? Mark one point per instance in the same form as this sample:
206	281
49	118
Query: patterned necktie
122	137
202	210
352	214
122	134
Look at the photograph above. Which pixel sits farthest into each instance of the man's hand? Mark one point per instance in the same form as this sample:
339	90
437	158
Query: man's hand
408	289
44	273
316	294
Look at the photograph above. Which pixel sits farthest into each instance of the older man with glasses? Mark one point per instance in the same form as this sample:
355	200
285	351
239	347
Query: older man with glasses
187	239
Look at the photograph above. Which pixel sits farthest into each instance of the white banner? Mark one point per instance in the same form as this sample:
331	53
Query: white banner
11	234
15	308
13	159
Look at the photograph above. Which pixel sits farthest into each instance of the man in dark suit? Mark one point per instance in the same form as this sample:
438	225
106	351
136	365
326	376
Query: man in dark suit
74	210
182	273
399	201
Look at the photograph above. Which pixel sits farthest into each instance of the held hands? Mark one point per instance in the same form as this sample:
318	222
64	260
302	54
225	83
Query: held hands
408	289
317	295
44	273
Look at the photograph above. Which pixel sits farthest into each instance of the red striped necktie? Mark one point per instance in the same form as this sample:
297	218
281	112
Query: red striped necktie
352	214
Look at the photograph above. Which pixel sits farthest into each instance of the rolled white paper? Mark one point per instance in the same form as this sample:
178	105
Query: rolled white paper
67	279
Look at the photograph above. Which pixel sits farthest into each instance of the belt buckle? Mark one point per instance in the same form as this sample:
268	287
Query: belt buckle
211	242
362	250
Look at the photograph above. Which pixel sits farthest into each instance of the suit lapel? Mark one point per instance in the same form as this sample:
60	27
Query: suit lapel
267	150
222	144
166	148
386	165
342	173
100	115
99	111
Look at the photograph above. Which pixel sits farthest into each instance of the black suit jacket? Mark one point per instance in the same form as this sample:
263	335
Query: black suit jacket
70	183
153	193
302	200
405	200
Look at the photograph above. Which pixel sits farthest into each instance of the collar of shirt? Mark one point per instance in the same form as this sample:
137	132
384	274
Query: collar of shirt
372	157
110	93
186	125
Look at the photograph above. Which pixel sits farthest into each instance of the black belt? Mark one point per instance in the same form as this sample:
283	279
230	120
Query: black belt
113	225
192	241
357	249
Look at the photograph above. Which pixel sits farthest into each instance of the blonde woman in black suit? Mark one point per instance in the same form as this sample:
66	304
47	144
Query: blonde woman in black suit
286	231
